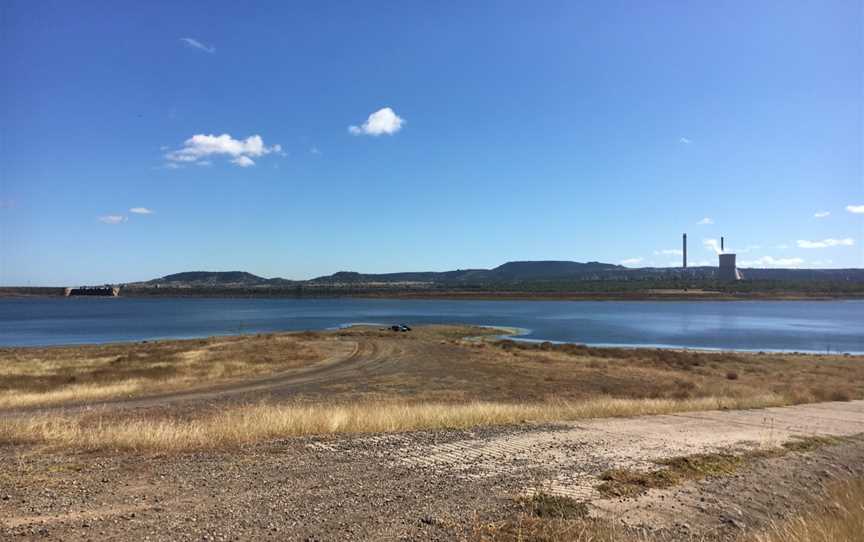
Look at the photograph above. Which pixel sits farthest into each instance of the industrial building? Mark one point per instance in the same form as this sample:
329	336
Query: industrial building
728	268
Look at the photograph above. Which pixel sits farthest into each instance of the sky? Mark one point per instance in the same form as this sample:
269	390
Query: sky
297	139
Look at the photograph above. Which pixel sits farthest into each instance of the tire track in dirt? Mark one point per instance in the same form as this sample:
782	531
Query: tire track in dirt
362	353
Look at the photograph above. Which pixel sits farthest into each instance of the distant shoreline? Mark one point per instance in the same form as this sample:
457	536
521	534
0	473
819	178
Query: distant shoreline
259	293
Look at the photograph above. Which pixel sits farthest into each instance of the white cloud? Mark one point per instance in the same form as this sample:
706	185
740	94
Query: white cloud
141	211
243	161
748	248
383	121
192	42
684	141
768	261
112	219
631	261
669	252
200	146
705	221
782	246
825	243
857	209
712	244
316	151
821	214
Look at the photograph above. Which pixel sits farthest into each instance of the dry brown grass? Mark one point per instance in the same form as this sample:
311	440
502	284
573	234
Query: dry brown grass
432	364
241	425
838	517
74	374
645	372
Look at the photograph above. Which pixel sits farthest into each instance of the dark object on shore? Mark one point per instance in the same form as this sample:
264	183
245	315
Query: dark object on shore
399	327
106	291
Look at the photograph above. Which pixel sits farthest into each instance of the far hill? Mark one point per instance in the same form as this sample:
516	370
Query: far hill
214	278
508	273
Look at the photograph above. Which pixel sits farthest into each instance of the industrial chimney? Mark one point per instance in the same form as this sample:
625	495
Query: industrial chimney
684	242
722	243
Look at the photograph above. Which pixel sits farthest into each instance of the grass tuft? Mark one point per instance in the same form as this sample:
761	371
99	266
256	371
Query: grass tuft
544	505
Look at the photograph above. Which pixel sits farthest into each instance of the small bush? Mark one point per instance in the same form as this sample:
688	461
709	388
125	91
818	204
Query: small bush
732	375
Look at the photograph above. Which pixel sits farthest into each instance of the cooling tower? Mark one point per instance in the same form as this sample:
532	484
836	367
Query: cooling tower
728	270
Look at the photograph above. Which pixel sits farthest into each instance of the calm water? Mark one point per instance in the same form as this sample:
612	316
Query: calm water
765	325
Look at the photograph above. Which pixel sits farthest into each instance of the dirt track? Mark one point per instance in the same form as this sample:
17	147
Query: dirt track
361	358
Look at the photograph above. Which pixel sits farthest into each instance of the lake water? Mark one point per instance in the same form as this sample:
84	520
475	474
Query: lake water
815	326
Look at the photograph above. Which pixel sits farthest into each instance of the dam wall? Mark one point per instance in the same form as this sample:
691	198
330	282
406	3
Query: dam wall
103	291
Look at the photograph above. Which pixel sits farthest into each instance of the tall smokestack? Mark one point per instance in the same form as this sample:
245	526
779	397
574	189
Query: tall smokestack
684	242
721	244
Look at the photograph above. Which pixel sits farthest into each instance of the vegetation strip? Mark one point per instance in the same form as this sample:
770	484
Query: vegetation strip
677	470
246	424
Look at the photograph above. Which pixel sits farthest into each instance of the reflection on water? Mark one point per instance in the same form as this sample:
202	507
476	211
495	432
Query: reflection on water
815	326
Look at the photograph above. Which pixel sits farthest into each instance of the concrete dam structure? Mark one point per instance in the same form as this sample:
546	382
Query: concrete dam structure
103	291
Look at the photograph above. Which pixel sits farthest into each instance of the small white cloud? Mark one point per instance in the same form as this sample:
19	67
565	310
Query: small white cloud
706	221
315	151
192	42
243	161
141	211
684	141
821	214
768	261
112	219
825	243
383	121
631	261
857	209
669	252
782	246
199	147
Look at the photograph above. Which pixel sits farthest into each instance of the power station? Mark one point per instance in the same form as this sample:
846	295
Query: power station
727	270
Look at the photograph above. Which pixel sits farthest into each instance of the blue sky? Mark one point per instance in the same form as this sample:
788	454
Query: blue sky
482	132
